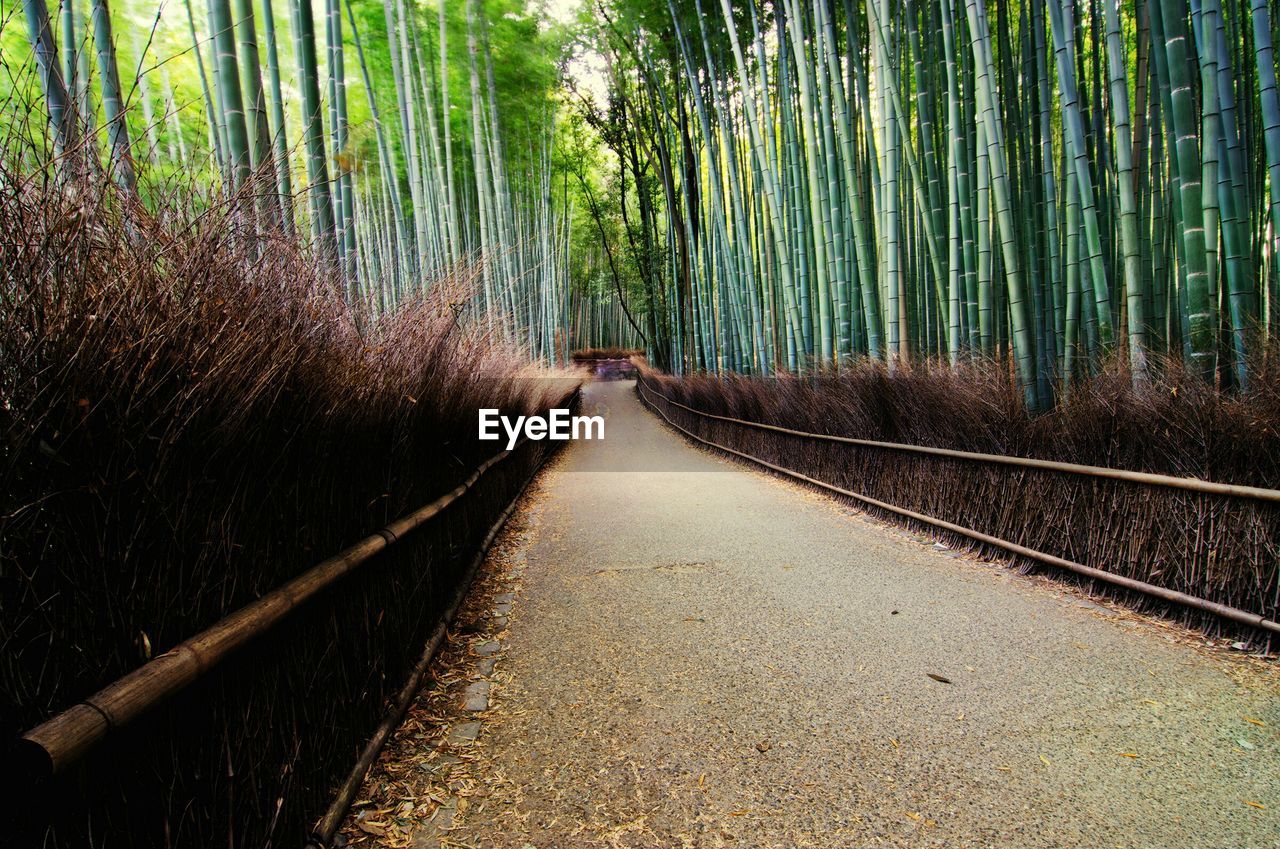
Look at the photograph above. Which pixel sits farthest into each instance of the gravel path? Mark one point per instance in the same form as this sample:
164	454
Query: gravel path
700	655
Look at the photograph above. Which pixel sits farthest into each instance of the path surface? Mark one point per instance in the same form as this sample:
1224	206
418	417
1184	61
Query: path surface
700	655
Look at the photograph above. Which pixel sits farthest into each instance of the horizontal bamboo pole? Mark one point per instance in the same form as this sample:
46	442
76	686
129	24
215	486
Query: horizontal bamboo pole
1235	614
1148	478
59	742
324	831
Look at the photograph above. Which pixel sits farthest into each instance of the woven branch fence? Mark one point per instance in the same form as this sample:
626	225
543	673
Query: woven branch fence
252	751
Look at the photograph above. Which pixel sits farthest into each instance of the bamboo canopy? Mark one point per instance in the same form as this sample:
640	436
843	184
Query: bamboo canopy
772	185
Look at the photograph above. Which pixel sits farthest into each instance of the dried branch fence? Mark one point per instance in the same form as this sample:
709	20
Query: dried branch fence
97	747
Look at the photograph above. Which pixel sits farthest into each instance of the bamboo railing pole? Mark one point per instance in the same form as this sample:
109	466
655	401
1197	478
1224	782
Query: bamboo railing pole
1149	478
327	827
52	746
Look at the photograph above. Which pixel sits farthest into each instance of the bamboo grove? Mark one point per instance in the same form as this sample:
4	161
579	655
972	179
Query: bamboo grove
423	182
788	184
1061	182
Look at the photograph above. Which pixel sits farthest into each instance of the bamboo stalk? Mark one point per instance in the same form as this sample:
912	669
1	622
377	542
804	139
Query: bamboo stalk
113	104
62	111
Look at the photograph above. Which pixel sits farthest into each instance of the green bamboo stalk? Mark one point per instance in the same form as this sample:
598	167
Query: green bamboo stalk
446	119
279	128
216	134
919	187
345	213
867	290
484	200
1071	331
761	138
1211	130
322	219
1233	197
1269	100
1062	17
70	41
62	111
1049	196
229	94
390	181
1023	345
819	210
1201	320
1123	142
399	49
260	154
983	250
893	285
113	104
954	153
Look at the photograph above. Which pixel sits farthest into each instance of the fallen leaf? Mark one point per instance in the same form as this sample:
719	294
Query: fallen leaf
740	813
1005	768
1257	805
1045	761
938	678
894	741
764	746
374	828
1257	722
1127	754
912	816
